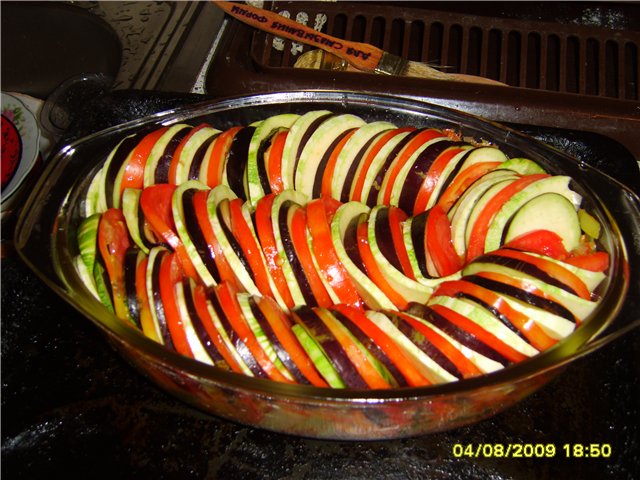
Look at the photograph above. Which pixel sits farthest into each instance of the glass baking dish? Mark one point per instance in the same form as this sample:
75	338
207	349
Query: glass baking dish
46	239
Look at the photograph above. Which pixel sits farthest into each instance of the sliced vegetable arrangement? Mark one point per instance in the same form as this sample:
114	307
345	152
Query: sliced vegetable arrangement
321	249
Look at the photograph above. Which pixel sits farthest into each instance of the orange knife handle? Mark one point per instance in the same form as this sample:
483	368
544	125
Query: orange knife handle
360	55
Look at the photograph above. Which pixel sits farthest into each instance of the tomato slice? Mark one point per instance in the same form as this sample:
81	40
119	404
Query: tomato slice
327	176
396	217
170	275
155	202
370	156
267	239
403	157
480	333
319	214
281	325
218	156
252	250
460	183
405	365
175	160
146	318
298	232
215	249
543	242
356	356
466	367
553	269
432	179
529	328
134	170
113	242
595	262
373	270
229	301
439	243
273	157
481	226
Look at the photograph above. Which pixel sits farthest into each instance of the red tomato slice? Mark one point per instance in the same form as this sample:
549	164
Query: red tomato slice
481	226
113	242
439	243
264	230
175	160
529	328
298	231
356	356
459	184
543	242
146	318
273	157
432	179
218	156
281	325
155	202
405	365
134	170
319	214
396	217
199	295
327	176
404	155
371	154
229	301
252	250
373	270
595	262
483	335
215	249
465	366
170	275
553	269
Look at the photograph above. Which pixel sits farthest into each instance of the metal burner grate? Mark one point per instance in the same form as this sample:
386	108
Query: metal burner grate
559	57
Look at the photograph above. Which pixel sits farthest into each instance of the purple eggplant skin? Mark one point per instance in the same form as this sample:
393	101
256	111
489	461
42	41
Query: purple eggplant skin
130	268
263	176
236	341
418	232
458	334
237	161
335	353
522	295
418	170
282	353
372	198
353	168
119	157
312	127
156	300
424	344
289	249
317	181
384	239
161	175
351	241
198	157
372	347
526	268
199	327
195	233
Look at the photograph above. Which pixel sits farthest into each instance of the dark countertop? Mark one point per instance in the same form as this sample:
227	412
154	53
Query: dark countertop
72	407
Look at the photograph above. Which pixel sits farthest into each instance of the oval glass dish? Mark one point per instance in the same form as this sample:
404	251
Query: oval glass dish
46	239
